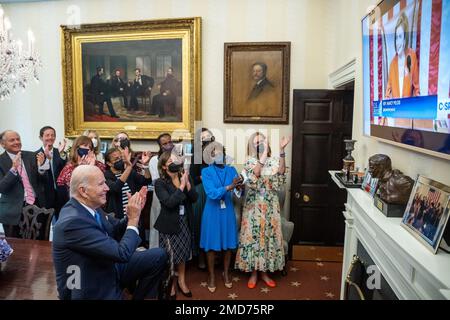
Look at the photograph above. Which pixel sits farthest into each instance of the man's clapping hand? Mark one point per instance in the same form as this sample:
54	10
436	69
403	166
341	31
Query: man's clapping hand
134	207
17	162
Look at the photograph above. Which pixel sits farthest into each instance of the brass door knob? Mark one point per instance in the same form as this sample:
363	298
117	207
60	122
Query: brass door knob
305	198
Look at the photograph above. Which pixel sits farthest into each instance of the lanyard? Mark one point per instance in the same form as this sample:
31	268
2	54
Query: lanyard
218	177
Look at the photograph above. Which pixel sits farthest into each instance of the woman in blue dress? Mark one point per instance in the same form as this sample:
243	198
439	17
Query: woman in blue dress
218	228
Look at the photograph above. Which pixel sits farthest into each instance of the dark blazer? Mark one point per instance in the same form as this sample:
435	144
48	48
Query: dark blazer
54	197
258	88
114	196
11	187
171	198
147	82
79	241
116	84
99	88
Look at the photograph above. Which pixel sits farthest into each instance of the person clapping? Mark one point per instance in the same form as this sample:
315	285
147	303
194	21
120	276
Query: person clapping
176	195
82	153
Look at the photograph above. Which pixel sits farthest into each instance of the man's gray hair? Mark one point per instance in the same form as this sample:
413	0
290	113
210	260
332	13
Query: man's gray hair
3	134
80	177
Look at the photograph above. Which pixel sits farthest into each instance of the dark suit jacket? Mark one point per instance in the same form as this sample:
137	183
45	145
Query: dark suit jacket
11	187
258	88
114	196
138	89
100	89
79	241
116	84
54	198
171	198
172	85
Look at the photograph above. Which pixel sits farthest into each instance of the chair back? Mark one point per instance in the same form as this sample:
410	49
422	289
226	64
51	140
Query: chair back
35	223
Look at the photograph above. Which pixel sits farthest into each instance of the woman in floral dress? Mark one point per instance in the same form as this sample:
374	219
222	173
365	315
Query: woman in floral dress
260	239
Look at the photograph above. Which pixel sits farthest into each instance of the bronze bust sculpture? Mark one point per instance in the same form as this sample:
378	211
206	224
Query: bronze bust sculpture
393	186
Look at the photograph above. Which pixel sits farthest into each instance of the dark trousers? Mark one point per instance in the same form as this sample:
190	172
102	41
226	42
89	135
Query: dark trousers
143	274
125	100
11	231
101	100
55	199
122	95
161	102
134	94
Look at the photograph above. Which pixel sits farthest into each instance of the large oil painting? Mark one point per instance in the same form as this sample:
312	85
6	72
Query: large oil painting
142	77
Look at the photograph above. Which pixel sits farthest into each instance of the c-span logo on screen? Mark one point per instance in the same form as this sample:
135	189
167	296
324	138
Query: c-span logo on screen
444	106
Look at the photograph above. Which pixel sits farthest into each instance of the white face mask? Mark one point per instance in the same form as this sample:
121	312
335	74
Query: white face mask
94	142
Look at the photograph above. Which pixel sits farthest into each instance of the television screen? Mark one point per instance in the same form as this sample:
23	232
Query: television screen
406	73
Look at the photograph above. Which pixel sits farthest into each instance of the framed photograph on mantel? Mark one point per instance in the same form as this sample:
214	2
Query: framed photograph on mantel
256	82
142	77
427	212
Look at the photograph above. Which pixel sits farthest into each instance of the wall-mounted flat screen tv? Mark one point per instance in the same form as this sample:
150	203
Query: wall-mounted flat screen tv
406	74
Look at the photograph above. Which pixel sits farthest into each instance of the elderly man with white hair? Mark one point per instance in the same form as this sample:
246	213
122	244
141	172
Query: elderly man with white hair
21	184
89	262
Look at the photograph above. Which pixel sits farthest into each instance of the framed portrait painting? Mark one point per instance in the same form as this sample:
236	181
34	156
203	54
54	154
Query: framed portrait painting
427	212
256	82
142	77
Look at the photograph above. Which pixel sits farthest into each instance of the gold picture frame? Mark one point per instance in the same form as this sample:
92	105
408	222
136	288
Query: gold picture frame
95	56
256	82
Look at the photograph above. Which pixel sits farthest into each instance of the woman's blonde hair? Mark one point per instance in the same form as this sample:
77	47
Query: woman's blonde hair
251	150
99	141
402	21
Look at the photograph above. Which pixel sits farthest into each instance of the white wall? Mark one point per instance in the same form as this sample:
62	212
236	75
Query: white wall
346	44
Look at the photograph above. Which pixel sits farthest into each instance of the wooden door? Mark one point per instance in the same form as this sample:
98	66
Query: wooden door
322	119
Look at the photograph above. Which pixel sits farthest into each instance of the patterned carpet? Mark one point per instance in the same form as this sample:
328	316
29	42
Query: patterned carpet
305	280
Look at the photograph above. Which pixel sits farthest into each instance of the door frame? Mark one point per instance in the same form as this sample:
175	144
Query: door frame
337	79
343	75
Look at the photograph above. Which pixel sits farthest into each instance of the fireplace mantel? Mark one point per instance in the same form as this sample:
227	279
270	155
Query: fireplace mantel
412	271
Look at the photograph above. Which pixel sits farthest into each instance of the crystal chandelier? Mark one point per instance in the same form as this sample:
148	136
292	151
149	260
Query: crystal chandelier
17	66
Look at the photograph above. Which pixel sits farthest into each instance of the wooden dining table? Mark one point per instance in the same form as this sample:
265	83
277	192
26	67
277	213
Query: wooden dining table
28	274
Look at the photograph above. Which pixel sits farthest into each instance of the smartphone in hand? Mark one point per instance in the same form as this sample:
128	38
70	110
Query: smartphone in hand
137	157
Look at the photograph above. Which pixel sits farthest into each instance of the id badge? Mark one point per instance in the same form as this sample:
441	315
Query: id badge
181	210
222	204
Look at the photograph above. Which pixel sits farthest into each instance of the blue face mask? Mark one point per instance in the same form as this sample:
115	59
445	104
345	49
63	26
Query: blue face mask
82	152
260	148
218	159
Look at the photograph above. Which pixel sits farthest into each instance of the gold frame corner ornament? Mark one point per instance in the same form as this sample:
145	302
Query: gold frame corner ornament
188	30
